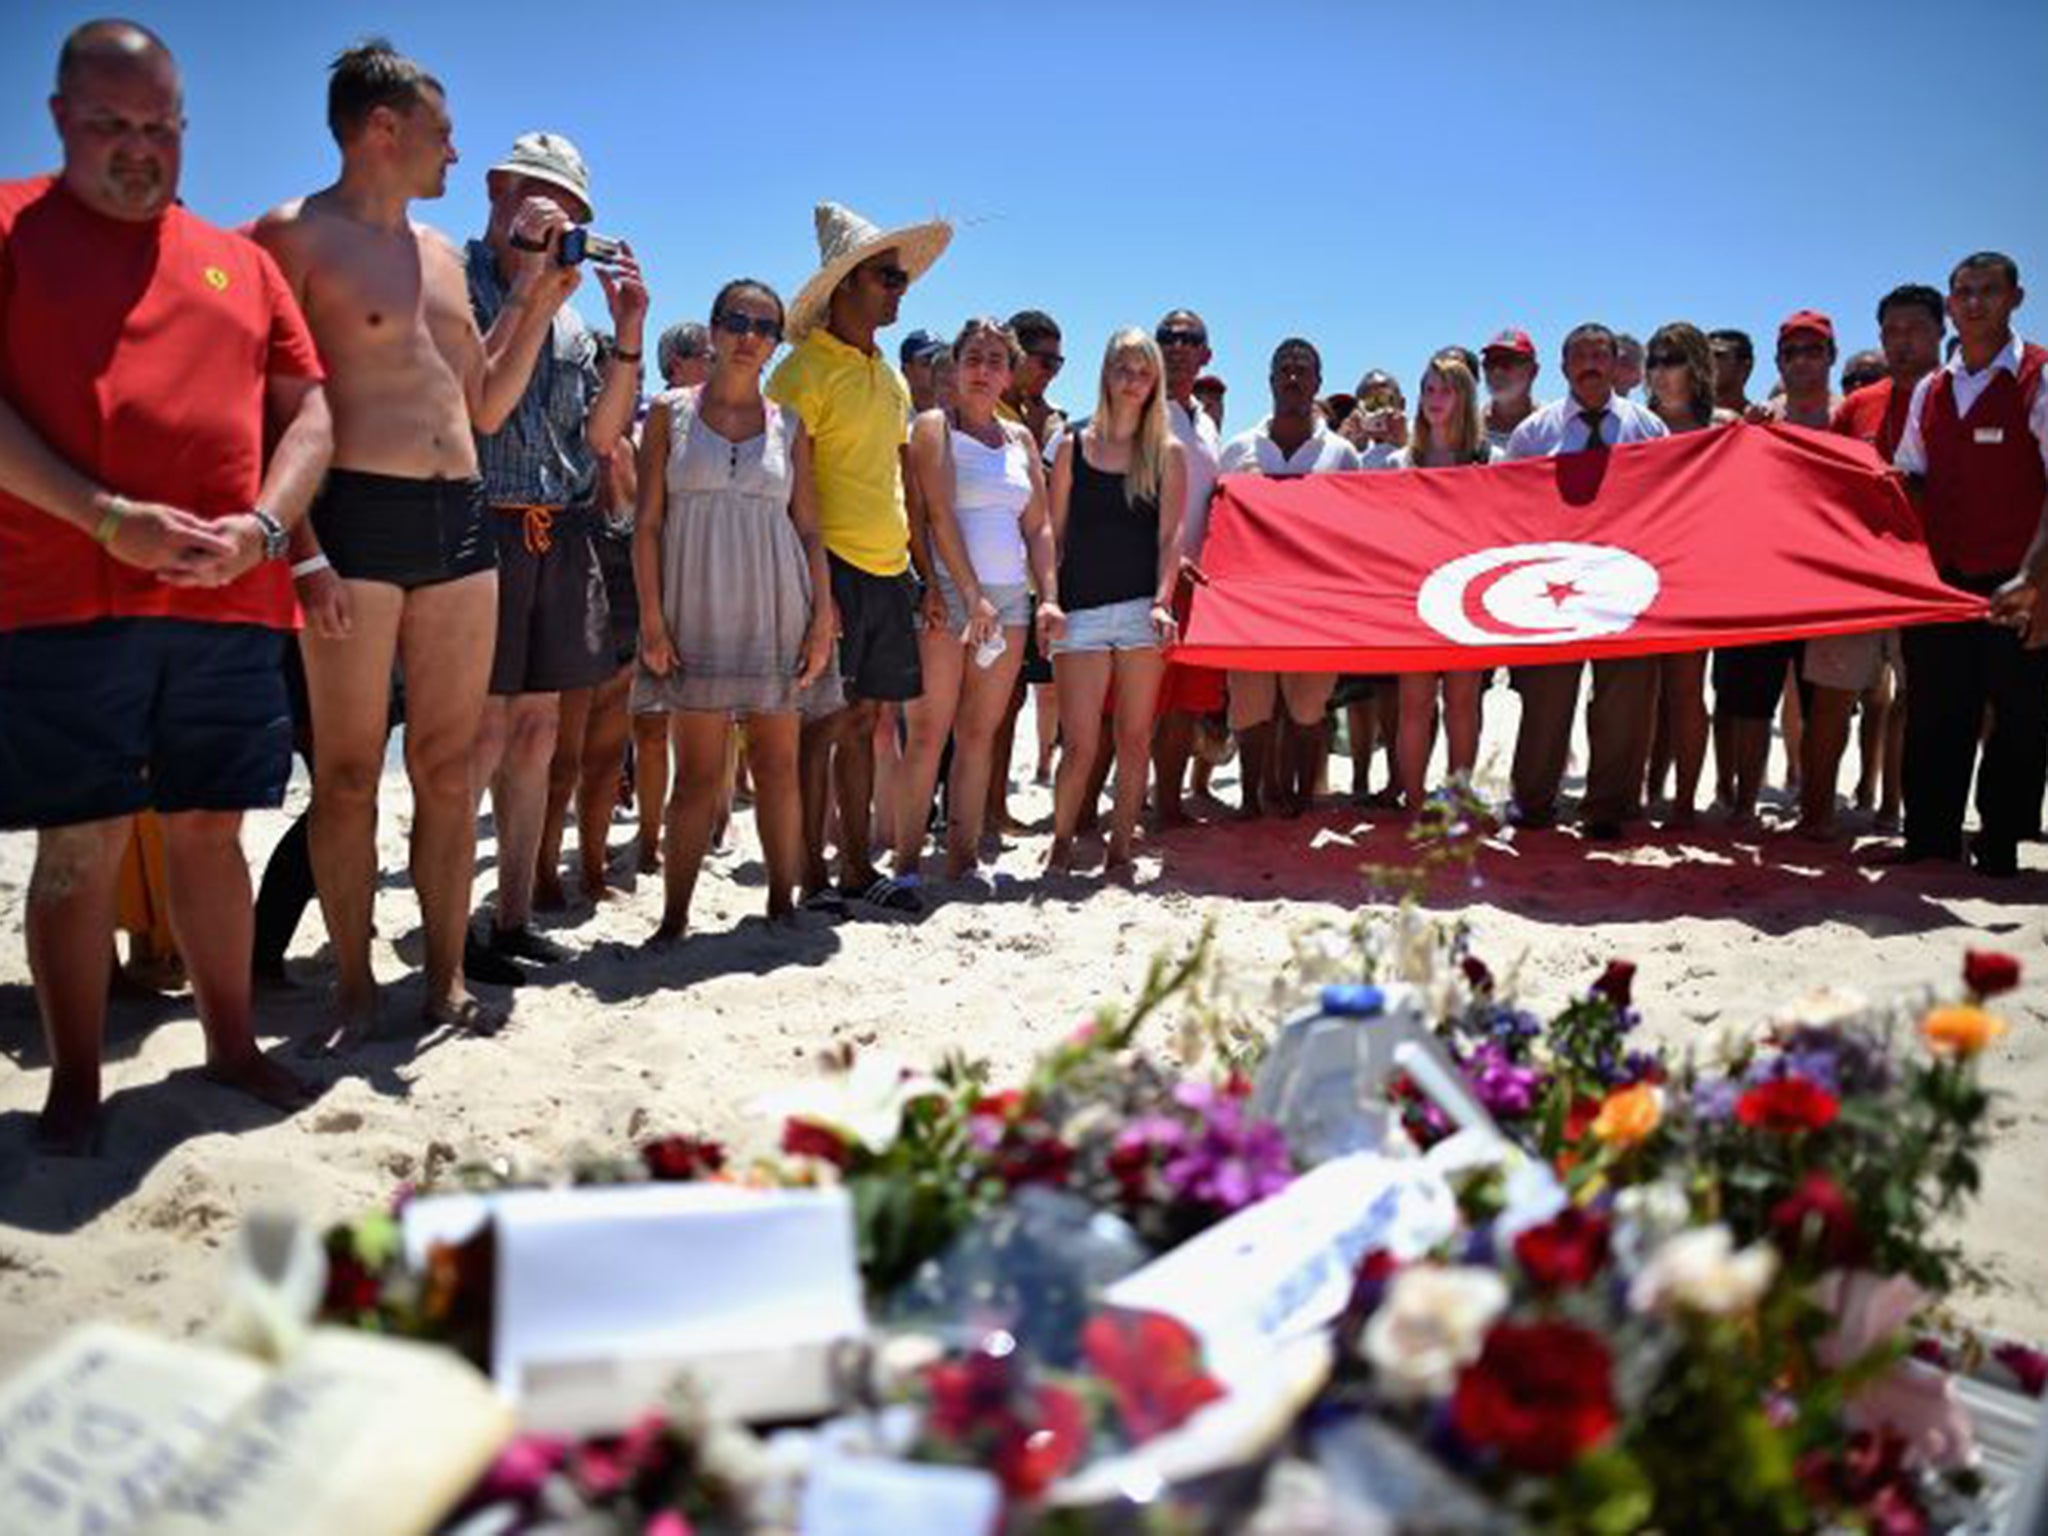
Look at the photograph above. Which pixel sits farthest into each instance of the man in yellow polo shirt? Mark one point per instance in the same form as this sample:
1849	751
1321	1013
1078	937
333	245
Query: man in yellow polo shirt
856	408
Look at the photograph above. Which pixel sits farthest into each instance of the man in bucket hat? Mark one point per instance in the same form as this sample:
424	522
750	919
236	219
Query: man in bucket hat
541	471
856	407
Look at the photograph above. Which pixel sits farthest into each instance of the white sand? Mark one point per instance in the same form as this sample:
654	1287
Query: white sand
628	1043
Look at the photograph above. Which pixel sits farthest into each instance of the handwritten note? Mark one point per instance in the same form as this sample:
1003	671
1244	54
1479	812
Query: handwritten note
114	1433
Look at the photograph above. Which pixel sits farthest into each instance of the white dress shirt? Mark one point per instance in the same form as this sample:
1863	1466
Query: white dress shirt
1560	427
1201	449
1968	387
1256	453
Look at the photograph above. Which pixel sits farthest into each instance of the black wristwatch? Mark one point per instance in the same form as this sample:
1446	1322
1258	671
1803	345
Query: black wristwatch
275	539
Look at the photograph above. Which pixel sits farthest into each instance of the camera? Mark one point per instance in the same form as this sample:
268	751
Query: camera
584	244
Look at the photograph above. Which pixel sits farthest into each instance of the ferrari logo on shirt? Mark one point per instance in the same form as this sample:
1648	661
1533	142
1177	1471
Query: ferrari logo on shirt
216	279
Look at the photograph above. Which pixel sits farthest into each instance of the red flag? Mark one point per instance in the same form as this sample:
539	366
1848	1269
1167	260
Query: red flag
1707	538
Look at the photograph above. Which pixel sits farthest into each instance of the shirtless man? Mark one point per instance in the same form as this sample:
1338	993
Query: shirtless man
400	545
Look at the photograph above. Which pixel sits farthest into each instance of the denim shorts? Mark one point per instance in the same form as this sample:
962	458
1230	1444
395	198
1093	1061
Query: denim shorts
1125	626
1012	603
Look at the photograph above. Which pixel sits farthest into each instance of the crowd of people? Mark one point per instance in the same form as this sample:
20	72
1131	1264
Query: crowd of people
832	584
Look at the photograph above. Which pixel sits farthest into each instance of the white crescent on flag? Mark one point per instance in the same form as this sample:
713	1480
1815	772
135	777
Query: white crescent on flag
1536	594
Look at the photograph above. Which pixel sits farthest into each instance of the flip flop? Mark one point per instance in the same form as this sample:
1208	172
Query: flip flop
894	894
825	903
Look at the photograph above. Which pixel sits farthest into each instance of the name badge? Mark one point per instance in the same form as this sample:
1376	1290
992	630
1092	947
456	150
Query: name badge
1991	434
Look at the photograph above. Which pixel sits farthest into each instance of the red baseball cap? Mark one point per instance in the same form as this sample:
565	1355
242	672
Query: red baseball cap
1517	342
1806	320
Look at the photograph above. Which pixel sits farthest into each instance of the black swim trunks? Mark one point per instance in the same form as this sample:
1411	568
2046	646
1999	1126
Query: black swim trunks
407	532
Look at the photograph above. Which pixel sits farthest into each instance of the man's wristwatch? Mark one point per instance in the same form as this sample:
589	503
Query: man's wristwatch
275	540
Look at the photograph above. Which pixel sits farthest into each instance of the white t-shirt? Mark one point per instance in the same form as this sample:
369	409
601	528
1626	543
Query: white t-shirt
1256	453
1201	448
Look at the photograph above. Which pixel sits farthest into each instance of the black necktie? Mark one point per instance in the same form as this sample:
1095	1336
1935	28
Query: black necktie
1592	419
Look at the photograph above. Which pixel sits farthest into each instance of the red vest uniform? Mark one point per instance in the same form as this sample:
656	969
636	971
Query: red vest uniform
1985	479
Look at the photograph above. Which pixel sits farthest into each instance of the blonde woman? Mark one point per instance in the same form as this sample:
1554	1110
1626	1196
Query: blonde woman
982	484
1449	431
1118	484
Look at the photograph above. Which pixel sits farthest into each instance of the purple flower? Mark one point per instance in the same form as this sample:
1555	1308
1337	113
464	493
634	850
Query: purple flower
1504	1088
1714	1099
1225	1161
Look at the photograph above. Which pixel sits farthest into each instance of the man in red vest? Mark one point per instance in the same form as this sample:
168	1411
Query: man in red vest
1975	446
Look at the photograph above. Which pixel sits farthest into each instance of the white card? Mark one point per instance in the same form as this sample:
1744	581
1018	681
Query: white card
1285	1266
669	1272
869	1496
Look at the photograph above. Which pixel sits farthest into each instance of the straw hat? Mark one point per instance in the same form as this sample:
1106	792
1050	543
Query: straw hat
845	240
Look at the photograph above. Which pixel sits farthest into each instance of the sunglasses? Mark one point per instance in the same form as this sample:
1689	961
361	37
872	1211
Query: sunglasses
1051	362
734	324
893	278
1665	360
1803	349
1181	339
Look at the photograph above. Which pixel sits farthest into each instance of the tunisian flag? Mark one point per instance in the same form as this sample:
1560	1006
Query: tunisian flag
1721	537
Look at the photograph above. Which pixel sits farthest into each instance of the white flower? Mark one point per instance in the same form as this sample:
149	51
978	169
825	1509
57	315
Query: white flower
1823	1007
865	1103
1429	1326
1700	1271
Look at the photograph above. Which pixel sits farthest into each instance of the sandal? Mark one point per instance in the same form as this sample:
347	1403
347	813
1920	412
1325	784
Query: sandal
894	894
825	902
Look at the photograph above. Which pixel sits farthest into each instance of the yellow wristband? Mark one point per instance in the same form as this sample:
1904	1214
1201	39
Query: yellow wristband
117	509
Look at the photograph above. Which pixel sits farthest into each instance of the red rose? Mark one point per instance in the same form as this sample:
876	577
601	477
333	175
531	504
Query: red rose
1617	982
1817	1218
1568	1250
999	1106
2028	1366
807	1138
1987	973
1025	1158
679	1159
1029	1458
1153	1365
1540	1395
1477	976
1788	1105
352	1287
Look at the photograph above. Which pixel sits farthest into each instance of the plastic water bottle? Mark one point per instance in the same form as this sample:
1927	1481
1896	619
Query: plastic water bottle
990	651
1325	1081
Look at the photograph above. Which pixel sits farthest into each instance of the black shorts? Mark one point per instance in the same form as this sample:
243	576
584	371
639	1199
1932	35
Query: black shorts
405	532
1750	679
554	623
877	633
116	716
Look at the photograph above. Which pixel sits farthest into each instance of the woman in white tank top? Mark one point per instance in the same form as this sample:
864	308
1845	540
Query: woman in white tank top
990	545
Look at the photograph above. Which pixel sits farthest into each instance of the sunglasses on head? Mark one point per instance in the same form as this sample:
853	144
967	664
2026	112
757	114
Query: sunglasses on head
1665	360
1051	362
892	277
1181	338
736	324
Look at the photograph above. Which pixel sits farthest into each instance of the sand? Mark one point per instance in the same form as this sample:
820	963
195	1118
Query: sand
627	1042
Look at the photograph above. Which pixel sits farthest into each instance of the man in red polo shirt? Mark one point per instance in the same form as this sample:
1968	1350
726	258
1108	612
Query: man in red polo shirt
1975	445
144	594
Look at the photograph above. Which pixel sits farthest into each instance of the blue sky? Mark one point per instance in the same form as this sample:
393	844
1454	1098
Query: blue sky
1381	178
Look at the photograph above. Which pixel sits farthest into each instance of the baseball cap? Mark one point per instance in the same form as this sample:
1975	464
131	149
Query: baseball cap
1806	320
1208	383
550	158
1514	341
916	345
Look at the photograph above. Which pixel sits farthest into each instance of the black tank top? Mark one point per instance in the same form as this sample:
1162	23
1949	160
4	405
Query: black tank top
1111	551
